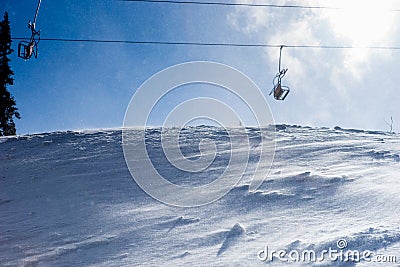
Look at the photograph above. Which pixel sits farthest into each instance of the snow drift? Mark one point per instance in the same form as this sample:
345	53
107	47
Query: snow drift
67	199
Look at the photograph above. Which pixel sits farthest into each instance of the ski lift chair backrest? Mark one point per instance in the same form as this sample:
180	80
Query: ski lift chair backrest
30	49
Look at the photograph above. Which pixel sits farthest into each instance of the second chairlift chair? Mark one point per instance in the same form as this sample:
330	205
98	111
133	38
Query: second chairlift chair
280	91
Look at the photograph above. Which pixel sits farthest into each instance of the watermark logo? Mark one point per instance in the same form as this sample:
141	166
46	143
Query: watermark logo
150	93
341	243
339	254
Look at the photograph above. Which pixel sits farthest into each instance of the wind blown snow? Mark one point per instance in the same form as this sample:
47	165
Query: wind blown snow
68	199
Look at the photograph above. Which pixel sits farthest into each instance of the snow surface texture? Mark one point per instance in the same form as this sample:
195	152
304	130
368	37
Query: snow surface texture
68	199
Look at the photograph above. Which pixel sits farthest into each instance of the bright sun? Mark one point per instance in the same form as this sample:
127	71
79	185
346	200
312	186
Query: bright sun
364	22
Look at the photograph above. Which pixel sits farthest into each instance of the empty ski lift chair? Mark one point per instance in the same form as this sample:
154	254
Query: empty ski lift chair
27	49
280	91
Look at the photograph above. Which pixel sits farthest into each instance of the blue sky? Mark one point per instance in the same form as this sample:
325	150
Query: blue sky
74	86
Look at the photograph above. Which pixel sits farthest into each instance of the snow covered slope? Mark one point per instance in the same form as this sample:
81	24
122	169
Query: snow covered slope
68	199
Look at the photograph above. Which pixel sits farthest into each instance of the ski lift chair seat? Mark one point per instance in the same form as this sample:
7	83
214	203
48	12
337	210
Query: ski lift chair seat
280	92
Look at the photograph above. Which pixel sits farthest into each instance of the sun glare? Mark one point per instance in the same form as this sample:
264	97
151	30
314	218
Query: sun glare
365	23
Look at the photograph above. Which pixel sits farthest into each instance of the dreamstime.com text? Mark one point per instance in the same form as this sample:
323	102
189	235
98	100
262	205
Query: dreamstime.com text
339	254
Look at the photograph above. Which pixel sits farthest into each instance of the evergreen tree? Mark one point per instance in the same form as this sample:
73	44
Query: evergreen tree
8	109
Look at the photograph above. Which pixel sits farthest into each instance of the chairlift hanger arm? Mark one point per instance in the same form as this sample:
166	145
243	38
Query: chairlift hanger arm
281	71
36	14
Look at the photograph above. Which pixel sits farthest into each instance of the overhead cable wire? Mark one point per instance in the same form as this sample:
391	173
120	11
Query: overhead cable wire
216	44
228	4
205	3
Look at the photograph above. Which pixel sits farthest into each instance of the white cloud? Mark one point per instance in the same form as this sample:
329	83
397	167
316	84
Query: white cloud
361	23
332	81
